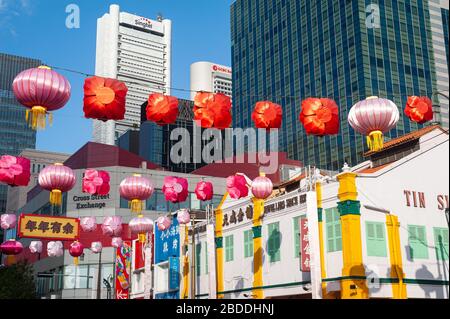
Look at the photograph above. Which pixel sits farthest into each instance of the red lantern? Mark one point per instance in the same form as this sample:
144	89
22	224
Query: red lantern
175	189
262	187
11	248
141	226
320	116
14	171
162	109
57	179
204	191
136	189
76	250
267	115
212	110
419	109
104	99
96	182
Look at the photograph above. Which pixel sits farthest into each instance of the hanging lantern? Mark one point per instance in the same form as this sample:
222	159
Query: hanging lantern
237	186
212	110
96	247
183	216
117	242
104	99
11	248
112	226
141	226
175	189
136	189
96	182
267	115
76	250
262	187
163	223
55	249
36	247
204	191
88	224
14	171
41	90
373	117
8	221
57	179
320	116
162	109
419	109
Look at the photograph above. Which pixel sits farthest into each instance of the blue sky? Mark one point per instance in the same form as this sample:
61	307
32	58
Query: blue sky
36	28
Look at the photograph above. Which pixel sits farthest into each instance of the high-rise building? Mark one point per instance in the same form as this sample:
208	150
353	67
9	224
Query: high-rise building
137	51
210	77
287	51
15	135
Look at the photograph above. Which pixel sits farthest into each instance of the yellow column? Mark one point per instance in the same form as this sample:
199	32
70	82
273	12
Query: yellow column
353	283
323	271
219	247
185	293
395	255
258	210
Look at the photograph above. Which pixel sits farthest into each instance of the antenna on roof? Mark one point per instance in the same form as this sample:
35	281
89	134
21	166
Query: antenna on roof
159	17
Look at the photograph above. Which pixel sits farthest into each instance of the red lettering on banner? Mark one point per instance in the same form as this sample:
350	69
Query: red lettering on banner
304	233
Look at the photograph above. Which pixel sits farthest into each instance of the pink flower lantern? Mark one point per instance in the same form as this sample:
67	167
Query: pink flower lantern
141	226
175	189
96	182
112	226
14	171
183	216
96	247
8	221
55	249
76	250
117	242
36	247
204	191
88	224
262	187
57	179
163	223
237	186
136	189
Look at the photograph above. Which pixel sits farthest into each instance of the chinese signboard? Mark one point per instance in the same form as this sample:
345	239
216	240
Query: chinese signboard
167	242
305	245
123	263
174	269
48	227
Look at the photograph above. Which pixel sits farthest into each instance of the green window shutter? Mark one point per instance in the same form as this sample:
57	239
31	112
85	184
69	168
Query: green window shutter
376	239
198	254
441	243
333	228
206	258
248	243
297	241
274	242
417	240
229	248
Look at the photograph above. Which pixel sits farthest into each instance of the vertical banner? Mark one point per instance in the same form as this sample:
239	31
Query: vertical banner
211	247
174	273
314	247
123	265
148	283
306	255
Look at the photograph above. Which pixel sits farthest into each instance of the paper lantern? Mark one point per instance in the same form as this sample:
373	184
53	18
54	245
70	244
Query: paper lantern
14	171
262	187
88	224
163	223
96	247
8	221
141	226
96	182
11	247
41	90
136	189
57	179
112	226
419	109
55	249
76	250
183	216
204	191
373	117
175	189
320	116
212	110
267	115
117	242
36	247
237	186
104	99
162	109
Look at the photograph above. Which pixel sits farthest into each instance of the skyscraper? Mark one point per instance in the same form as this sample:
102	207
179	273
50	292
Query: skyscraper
15	135
137	51
210	77
286	51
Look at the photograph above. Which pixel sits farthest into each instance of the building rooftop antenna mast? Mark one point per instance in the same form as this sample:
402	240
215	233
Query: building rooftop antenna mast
159	17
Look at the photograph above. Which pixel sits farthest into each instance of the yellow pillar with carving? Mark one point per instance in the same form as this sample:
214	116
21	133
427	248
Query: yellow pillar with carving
185	257
323	271
219	247
258	211
353	282
395	255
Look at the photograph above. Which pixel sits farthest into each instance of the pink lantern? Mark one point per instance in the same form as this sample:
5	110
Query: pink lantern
36	247
141	226
11	247
96	182
204	191
237	186
14	171
262	187
117	242
57	179
136	189
88	224
112	226
8	221
175	189
183	216
163	223
96	247
76	250
55	249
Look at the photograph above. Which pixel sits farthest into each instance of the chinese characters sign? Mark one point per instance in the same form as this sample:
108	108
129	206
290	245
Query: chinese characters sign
305	245
48	227
123	262
167	242
174	269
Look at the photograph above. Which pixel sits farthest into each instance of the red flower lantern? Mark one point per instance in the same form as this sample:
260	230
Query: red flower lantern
262	187
55	249
112	226
237	186
117	242
212	110
8	221
175	189
419	109
76	250
163	223
141	226
104	99
41	90
14	171
136	189
36	247
88	224
96	182
204	191
162	109
183	216
57	179
320	116
267	115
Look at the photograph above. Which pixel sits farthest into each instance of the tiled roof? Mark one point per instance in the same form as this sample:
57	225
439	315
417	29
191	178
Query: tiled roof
373	169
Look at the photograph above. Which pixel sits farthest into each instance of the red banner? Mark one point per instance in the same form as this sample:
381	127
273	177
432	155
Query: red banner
123	266
305	245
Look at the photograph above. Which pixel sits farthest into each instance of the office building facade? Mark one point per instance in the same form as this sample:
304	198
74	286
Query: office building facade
210	77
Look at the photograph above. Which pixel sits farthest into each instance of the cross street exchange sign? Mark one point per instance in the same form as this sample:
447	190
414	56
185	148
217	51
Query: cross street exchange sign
48	227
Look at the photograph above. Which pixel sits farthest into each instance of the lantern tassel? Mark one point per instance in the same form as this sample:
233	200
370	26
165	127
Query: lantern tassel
10	260
36	117
56	197
136	206
375	141
75	261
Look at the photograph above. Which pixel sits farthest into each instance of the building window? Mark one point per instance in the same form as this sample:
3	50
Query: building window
274	242
334	237
229	248
248	243
441	243
198	255
376	239
417	241
296	221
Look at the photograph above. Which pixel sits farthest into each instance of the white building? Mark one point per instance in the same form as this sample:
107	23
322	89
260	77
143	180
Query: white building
137	51
210	77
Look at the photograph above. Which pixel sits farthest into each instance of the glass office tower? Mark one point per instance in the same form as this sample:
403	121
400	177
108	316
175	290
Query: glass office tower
286	51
